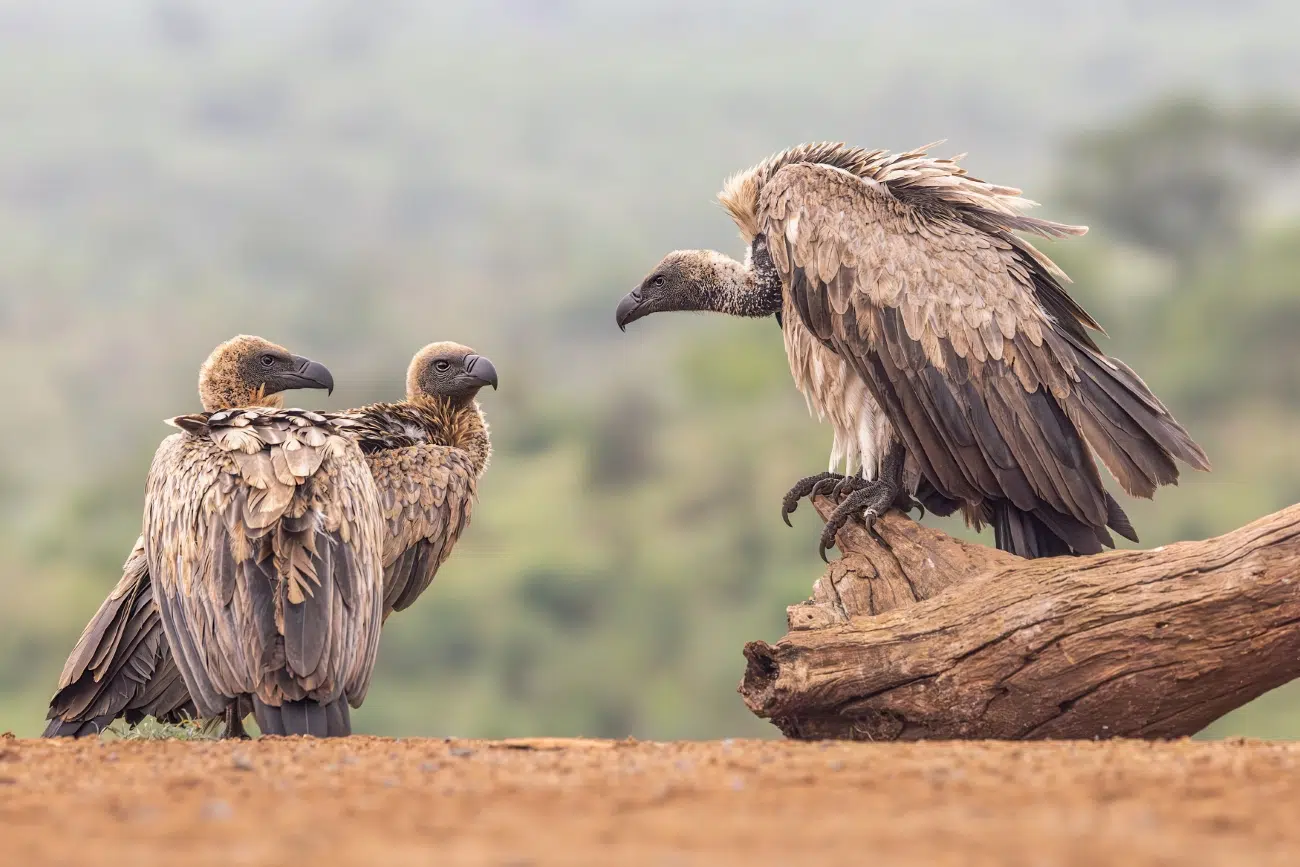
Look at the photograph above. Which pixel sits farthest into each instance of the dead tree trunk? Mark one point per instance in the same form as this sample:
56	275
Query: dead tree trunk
937	638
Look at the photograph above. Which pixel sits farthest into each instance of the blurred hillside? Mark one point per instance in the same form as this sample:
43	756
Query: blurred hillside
355	179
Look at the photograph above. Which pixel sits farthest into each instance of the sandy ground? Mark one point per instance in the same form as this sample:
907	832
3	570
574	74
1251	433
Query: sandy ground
394	802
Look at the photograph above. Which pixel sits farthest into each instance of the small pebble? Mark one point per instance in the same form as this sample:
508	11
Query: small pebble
461	752
241	762
429	767
836	765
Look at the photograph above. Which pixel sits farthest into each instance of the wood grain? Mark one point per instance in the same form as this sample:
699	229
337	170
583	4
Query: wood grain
938	638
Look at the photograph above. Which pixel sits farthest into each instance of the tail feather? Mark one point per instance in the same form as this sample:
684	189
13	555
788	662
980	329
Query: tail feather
1128	427
305	717
1026	535
77	728
1118	521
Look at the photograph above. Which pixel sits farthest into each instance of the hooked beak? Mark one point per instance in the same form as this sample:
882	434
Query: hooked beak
309	374
481	370
630	309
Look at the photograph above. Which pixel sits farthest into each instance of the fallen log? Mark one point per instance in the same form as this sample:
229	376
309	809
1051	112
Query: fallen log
933	638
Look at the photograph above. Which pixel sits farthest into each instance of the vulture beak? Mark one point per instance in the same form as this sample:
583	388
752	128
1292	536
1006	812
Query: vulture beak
308	374
630	309
481	370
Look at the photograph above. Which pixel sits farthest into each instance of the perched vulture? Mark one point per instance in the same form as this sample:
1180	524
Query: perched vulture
944	349
426	455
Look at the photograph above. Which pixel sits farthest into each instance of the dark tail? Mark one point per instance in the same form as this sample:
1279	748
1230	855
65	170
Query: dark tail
1047	533
1024	535
304	717
77	728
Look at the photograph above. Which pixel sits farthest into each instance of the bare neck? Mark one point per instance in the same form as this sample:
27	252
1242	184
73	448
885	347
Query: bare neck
750	289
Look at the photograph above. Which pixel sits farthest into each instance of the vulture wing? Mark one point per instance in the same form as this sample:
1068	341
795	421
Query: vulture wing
967	340
122	664
426	494
262	531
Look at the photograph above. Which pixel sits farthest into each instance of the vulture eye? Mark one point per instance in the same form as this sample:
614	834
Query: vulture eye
659	280
441	365
268	360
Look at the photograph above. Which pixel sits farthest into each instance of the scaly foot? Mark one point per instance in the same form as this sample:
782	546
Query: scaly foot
807	487
868	502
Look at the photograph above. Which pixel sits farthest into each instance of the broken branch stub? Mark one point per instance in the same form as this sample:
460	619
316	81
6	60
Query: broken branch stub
939	638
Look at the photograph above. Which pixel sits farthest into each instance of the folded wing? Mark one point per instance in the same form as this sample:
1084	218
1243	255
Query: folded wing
967	340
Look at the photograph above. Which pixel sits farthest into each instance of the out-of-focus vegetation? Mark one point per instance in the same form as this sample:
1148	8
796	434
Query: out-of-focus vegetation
356	179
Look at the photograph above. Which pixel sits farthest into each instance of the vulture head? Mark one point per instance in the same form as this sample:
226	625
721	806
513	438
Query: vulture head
702	280
683	280
448	370
250	371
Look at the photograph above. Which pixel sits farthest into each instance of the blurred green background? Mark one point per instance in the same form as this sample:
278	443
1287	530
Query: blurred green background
356	178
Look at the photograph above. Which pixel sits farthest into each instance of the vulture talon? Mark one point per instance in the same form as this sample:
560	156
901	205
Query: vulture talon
867	503
805	487
905	503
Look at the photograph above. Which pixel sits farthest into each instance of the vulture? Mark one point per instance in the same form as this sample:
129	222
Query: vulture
263	540
955	368
426	454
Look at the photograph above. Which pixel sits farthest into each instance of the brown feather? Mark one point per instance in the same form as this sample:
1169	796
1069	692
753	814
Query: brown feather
907	268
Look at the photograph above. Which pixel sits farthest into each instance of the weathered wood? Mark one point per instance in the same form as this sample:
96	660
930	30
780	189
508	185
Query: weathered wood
937	638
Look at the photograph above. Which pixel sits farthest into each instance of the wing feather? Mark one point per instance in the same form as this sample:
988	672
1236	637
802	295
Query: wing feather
268	562
427	492
963	333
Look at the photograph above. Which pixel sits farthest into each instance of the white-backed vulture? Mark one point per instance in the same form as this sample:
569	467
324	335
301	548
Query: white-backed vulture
263	540
121	665
944	349
426	454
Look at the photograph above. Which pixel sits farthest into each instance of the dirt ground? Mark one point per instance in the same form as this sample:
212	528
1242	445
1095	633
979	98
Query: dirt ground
395	802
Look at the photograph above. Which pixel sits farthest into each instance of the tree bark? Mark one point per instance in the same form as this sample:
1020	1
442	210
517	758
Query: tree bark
938	638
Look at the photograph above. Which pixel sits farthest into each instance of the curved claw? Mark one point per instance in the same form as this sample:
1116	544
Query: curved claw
788	506
829	532
869	522
905	503
808	487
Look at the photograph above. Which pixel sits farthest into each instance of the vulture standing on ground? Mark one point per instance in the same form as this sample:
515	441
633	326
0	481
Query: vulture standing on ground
426	455
263	538
945	350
